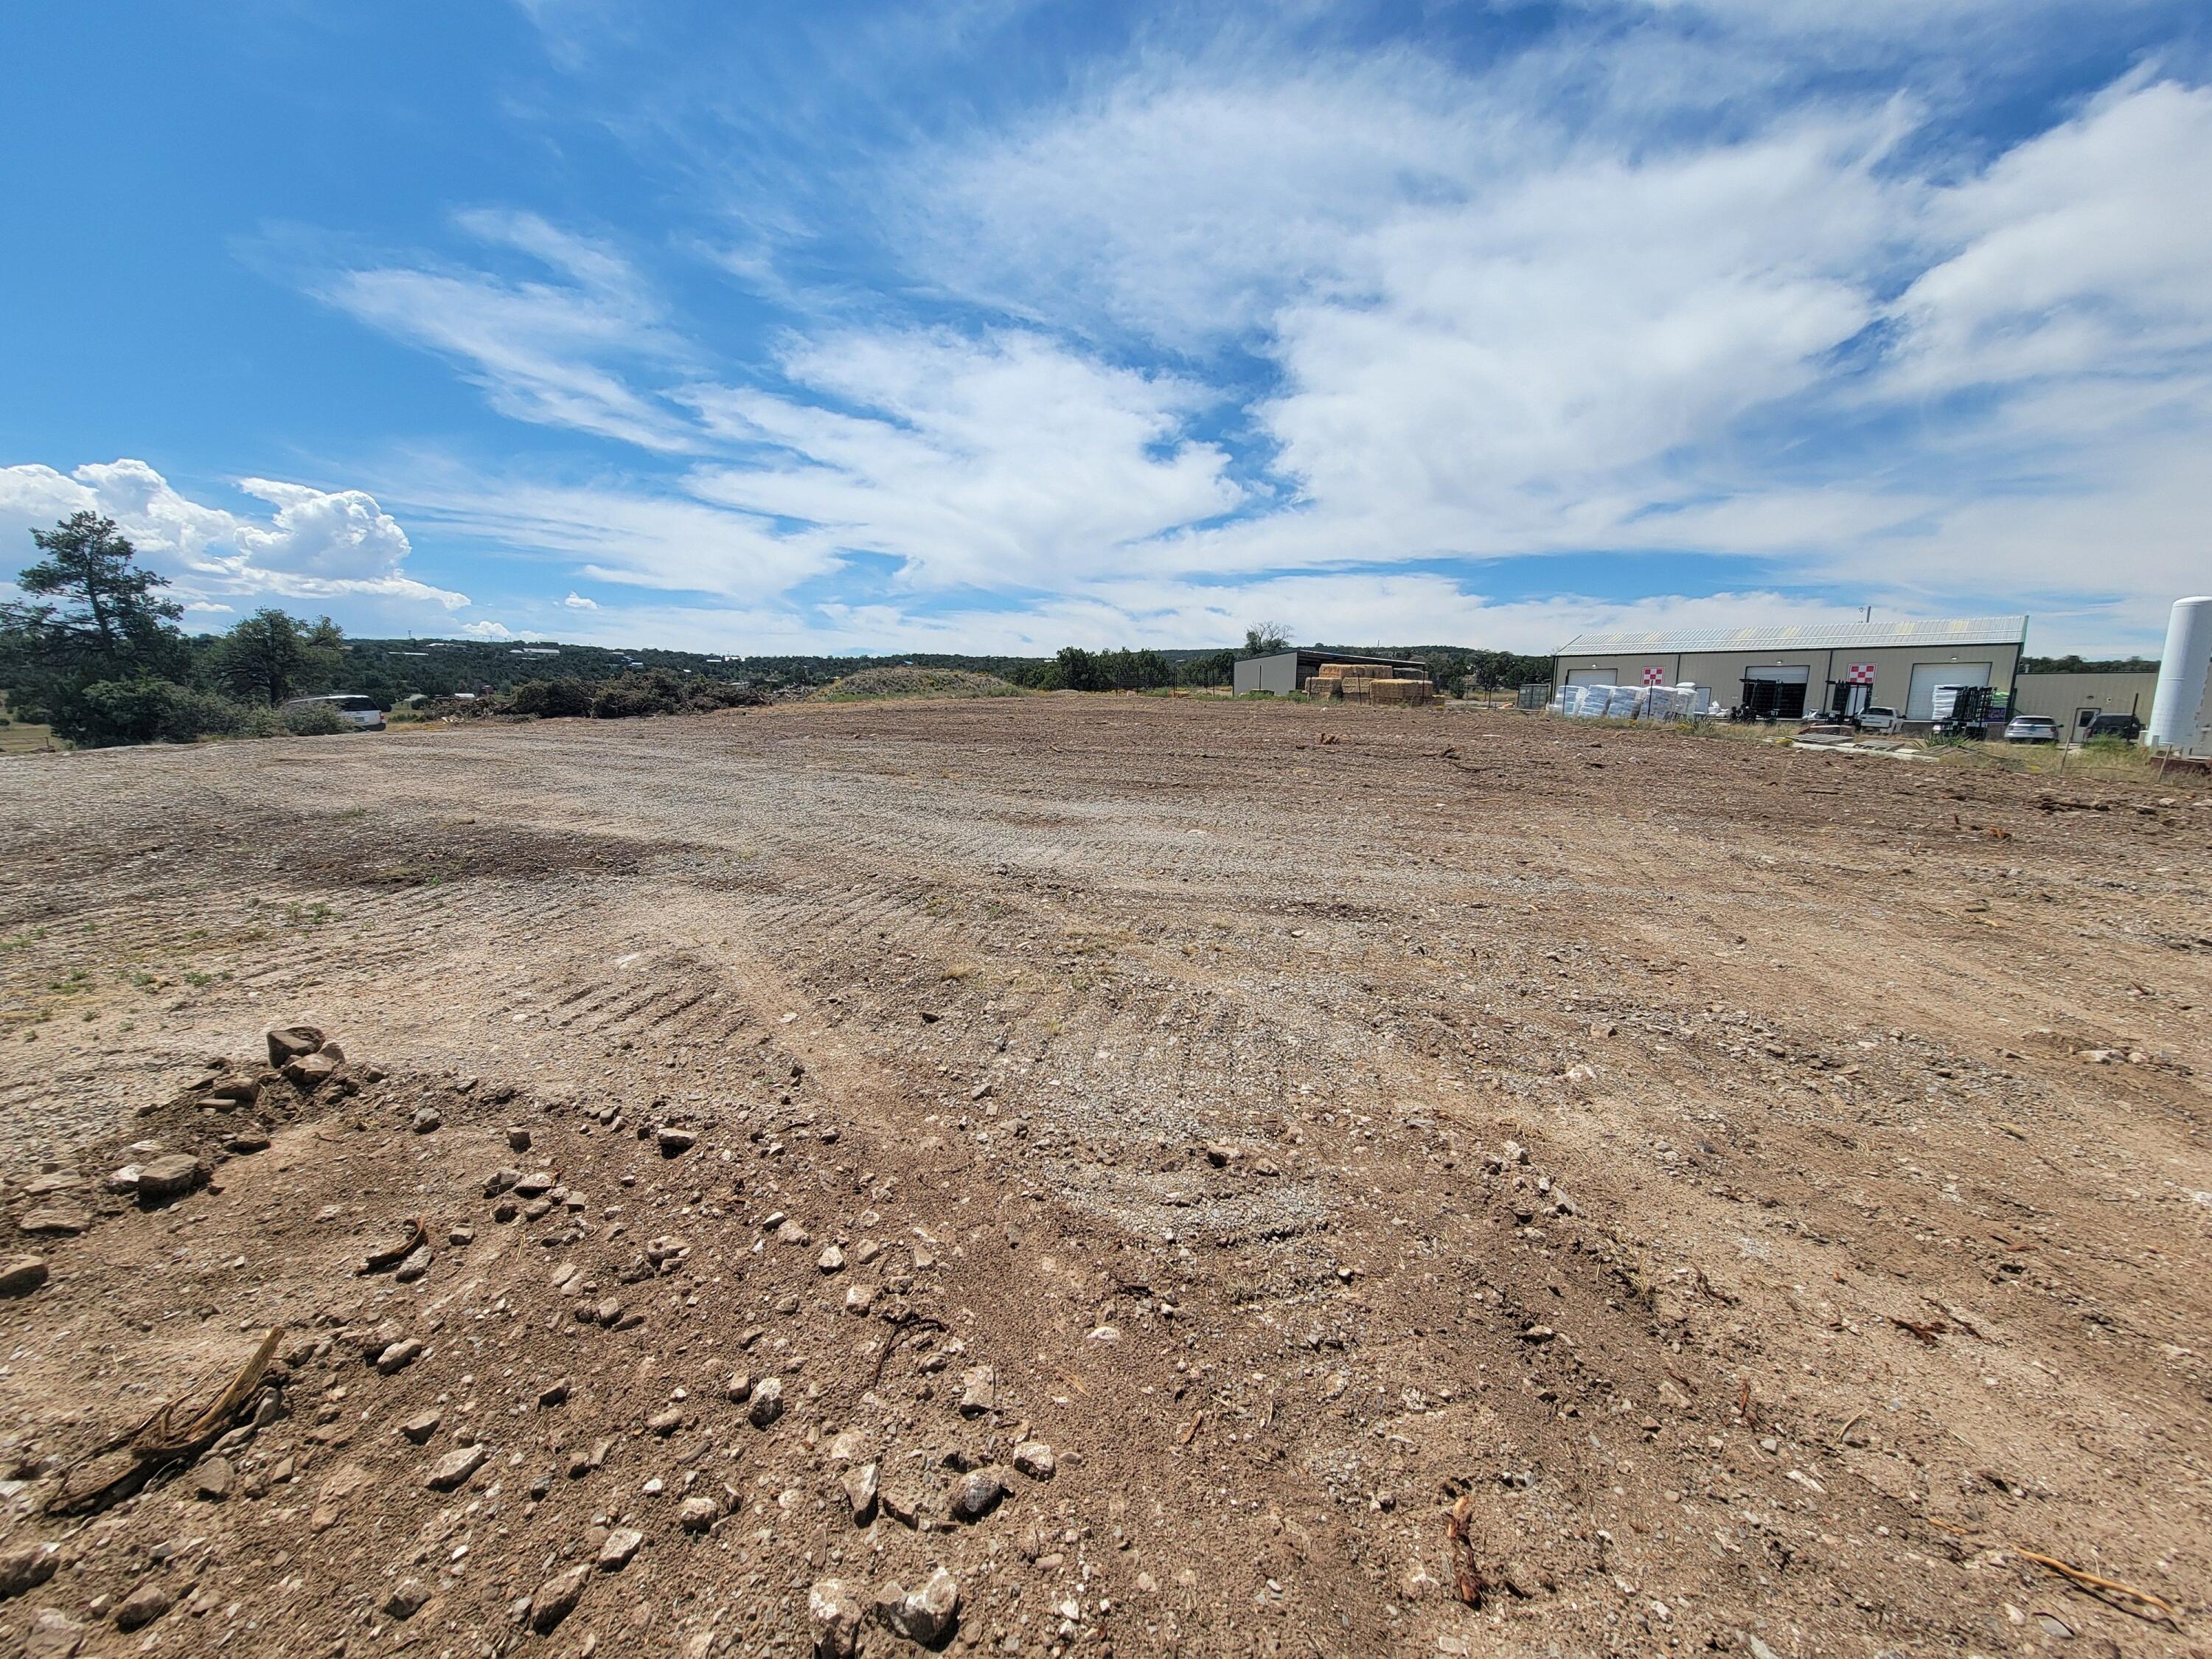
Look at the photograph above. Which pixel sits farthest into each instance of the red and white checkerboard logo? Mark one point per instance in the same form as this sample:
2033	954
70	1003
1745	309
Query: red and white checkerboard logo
1655	677
1862	674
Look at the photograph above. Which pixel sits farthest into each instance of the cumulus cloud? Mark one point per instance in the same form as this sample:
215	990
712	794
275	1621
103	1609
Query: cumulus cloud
487	630
576	601
320	546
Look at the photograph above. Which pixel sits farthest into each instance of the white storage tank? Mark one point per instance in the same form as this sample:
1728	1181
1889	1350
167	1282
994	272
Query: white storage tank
2181	711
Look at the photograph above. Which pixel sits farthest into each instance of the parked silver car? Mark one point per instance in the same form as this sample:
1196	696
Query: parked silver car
2031	728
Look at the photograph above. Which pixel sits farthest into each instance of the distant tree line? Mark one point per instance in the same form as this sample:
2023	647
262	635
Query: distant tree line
2077	664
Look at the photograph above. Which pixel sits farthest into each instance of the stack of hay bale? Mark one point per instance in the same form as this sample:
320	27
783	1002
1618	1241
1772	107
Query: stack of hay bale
1390	689
1367	682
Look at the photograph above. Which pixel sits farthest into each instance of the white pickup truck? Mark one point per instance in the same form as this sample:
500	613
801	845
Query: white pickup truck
1878	718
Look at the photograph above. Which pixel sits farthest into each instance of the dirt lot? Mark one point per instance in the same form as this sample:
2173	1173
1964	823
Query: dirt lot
1437	1182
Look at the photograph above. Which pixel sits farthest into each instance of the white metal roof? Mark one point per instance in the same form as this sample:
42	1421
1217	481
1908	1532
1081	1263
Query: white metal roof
1820	636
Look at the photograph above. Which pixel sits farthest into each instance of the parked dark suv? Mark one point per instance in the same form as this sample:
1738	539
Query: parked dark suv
2125	726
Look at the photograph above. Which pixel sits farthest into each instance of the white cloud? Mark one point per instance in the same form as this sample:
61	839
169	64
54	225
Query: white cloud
1236	314
576	601
551	353
1005	461
2074	255
334	533
319	547
487	630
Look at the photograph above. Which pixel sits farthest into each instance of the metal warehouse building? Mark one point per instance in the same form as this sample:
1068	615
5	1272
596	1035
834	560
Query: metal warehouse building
1790	672
1284	672
2074	700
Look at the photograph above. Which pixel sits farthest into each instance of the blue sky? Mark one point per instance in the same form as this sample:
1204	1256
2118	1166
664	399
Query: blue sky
998	327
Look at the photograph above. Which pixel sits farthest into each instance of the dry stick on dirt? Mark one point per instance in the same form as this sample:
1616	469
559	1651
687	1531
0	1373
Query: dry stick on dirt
418	1235
1926	1333
165	1436
1468	1583
2090	1581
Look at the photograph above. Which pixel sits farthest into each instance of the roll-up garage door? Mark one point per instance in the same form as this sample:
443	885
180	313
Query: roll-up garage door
1776	690
1590	677
1920	705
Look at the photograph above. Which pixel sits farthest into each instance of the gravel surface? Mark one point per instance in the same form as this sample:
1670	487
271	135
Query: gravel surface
1099	1175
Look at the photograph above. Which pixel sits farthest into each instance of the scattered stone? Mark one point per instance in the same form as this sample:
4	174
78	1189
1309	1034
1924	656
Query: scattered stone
536	1184
905	1502
54	1634
427	1121
414	1265
227	1094
609	1311
21	1275
143	1605
860	1487
246	1141
54	1181
500	1180
54	1218
398	1356
556	1599
406	1600
124	1182
171	1176
698	1514
928	1615
977	1494
311	1071
214	1479
622	1544
833	1260
979	1392
834	1609
518	1139
419	1429
766	1403
859	1298
460	1236
1220	1154
666	1423
1538	1333
505	1210
739	1388
288	1042
1034	1458
674	1143
554	1394
454	1468
26	1567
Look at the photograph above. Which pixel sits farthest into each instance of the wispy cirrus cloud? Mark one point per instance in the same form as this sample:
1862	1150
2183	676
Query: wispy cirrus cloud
554	352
